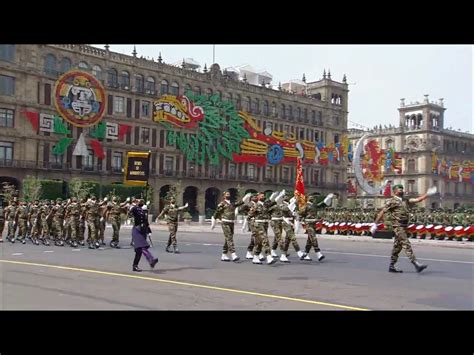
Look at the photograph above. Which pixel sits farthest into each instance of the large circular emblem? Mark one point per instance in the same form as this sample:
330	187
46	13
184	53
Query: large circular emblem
79	98
275	154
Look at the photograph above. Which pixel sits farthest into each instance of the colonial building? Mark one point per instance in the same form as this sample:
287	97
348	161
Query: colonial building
431	155
131	87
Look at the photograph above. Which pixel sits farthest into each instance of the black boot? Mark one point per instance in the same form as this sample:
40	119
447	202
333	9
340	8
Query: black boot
153	263
175	250
419	267
136	268
168	249
393	268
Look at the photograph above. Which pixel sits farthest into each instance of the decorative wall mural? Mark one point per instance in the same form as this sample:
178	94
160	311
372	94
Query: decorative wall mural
461	171
368	162
79	98
220	131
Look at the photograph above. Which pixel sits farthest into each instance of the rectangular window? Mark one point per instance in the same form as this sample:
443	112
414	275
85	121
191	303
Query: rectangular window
7	85
411	186
146	108
336	138
145	134
316	177
7	52
268	173
251	171
47	94
119	104
6	117
89	160
286	174
57	161
117	161
6	151
191	169
336	178
232	170
169	162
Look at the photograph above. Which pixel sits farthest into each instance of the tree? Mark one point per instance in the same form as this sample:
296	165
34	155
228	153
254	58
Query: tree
79	188
32	188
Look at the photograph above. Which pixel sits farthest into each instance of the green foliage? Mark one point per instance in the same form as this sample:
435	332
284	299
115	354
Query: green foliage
31	188
123	191
51	189
79	188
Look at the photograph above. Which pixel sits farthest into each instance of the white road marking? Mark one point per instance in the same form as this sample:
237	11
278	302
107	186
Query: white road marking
17	254
48	251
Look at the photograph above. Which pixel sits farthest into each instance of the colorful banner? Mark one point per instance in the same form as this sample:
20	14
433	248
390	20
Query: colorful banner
137	168
456	170
299	185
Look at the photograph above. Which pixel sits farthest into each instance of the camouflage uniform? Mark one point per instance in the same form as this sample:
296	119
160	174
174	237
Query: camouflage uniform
102	212
82	222
277	225
10	213
73	211
22	217
289	229
35	222
92	212
225	211
44	211
398	210
2	221
308	216
114	215
259	211
58	222
171	212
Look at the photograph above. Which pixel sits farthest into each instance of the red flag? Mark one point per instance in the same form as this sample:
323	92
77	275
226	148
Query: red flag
97	147
299	185
123	129
33	117
387	192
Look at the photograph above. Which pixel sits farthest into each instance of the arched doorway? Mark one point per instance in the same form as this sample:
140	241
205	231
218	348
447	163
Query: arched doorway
190	197
163	191
212	196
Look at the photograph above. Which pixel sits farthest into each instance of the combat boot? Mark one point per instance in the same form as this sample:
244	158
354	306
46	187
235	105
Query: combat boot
300	255
256	260
393	268
271	260
175	250
418	266
249	255
274	254
320	256
168	249
235	257
224	257
284	259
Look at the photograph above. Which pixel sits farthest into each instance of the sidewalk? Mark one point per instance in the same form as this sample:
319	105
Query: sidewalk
206	228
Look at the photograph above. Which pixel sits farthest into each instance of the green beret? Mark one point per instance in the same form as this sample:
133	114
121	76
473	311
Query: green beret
397	186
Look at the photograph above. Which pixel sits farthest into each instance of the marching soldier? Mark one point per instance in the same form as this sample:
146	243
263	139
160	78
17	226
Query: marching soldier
57	212
287	210
308	216
82	221
260	211
10	213
113	215
225	211
249	221
21	218
398	207
2	221
171	212
73	211
35	222
102	219
92	218
276	223
43	216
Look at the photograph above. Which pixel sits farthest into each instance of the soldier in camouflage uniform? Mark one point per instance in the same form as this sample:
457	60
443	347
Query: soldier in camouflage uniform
35	222
102	219
73	211
57	224
92	218
43	214
288	214
398	208
21	217
10	212
2	221
171	212
260	212
249	222
308	219
225	211
276	223
113	215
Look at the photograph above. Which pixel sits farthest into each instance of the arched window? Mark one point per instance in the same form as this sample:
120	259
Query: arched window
230	97
164	87
139	83
97	72
305	114
298	114
50	64
112	77
83	66
125	80
265	108
187	88
220	94
238	102
274	109
65	65
256	107
150	85
389	143
290	112
283	111
174	88
247	104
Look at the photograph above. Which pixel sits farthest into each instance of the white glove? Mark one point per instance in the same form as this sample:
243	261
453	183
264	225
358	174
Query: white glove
246	198
328	199
186	205
297	227
287	221
292	206
128	199
148	203
373	229
236	212
431	191
273	196
213	222
106	199
144	208
280	197
101	219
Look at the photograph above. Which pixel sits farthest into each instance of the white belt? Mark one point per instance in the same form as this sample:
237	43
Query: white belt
261	221
310	220
277	218
227	220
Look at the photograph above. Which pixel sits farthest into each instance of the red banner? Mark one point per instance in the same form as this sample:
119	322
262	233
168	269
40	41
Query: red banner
299	184
33	117
97	147
123	129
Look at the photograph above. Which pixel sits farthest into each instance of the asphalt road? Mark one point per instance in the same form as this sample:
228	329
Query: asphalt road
353	276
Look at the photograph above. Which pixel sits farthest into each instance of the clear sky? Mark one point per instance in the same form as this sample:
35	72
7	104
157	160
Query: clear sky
379	75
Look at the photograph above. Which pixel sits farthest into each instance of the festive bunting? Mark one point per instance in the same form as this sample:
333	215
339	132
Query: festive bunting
81	148
61	146
299	185
123	130
33	117
60	127
99	131
97	148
